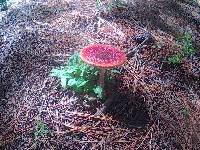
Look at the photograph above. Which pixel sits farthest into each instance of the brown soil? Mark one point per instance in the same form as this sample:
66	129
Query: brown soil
154	105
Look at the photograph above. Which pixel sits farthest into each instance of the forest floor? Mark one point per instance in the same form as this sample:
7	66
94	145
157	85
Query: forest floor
156	105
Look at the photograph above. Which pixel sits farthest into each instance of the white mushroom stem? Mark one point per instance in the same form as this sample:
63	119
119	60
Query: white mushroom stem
102	77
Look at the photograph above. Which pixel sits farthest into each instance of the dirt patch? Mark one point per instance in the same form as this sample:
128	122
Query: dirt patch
157	106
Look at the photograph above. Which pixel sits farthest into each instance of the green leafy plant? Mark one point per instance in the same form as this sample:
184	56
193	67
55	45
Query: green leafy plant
80	77
187	50
41	129
98	90
175	59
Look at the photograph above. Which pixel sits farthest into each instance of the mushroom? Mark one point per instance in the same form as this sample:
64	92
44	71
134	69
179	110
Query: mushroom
103	57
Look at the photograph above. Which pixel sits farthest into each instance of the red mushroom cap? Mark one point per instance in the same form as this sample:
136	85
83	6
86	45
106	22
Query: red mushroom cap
103	56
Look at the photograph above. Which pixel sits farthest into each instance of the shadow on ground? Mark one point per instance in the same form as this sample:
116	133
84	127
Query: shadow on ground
129	109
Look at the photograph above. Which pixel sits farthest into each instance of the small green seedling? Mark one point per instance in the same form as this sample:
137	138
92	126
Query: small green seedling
115	4
112	4
3	5
185	112
41	129
175	59
98	90
187	50
98	3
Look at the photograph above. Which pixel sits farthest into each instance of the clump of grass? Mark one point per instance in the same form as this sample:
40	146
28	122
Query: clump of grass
80	77
187	50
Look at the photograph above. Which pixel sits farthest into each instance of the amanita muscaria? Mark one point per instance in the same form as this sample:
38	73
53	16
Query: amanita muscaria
103	57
